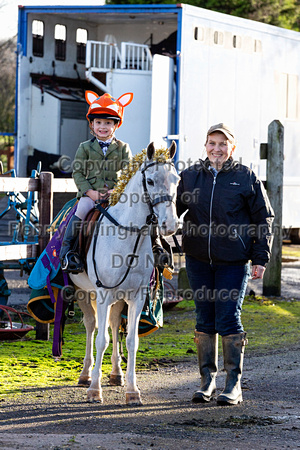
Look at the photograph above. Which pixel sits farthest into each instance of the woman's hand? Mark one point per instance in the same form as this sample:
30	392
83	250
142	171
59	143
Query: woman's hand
257	272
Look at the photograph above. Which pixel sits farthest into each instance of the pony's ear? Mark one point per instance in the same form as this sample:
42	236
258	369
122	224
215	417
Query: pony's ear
150	150
172	149
90	96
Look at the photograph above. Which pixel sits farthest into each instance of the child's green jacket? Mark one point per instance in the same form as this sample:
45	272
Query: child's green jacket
94	170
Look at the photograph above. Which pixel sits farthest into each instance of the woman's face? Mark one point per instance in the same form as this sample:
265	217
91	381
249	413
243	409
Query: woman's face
218	149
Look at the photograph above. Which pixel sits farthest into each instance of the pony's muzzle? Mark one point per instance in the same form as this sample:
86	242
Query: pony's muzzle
167	229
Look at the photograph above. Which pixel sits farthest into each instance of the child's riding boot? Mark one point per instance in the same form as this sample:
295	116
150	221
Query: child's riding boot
207	346
233	353
69	258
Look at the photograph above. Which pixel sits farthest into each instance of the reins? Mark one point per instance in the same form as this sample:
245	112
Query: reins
150	220
133	255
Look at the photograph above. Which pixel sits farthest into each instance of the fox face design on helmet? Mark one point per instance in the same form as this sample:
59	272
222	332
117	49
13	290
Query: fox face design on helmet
107	106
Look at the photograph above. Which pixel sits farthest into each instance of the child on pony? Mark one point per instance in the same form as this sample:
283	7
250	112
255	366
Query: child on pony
95	167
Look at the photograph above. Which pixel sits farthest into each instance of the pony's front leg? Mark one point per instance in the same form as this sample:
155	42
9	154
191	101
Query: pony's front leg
90	322
94	392
132	342
116	377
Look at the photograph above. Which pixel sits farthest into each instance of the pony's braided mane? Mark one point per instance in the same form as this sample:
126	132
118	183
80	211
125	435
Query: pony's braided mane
160	155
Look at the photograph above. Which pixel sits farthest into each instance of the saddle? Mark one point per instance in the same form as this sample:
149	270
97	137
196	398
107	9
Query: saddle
86	232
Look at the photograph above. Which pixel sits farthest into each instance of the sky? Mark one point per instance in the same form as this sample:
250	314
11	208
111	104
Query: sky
9	12
8	18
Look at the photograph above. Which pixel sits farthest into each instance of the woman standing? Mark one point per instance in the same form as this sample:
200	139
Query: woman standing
227	223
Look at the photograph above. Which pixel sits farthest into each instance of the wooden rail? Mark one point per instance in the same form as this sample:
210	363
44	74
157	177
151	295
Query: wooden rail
10	184
45	185
13	252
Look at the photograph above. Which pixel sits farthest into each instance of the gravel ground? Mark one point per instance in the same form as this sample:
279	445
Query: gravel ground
60	417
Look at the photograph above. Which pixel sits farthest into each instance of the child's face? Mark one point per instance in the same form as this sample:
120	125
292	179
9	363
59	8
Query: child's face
104	128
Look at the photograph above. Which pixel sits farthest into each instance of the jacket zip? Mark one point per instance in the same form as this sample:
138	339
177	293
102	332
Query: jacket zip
210	217
240	238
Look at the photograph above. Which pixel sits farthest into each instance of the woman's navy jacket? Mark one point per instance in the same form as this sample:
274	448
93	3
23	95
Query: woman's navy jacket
228	217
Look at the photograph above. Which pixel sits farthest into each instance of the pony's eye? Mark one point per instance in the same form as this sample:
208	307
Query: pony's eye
150	182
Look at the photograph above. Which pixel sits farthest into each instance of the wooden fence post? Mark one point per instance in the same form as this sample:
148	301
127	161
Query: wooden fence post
46	217
273	152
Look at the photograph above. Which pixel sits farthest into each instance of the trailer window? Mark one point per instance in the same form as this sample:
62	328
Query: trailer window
237	41
81	40
257	46
37	38
198	34
60	36
218	38
288	96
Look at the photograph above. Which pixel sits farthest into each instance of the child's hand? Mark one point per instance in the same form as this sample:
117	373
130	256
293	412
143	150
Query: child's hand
95	195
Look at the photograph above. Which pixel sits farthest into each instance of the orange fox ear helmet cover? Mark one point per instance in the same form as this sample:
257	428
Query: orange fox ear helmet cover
107	106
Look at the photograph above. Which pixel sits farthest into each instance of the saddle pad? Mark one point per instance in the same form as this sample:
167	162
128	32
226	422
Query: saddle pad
48	263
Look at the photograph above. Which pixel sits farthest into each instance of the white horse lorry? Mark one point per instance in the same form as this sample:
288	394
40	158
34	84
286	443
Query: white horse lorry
188	68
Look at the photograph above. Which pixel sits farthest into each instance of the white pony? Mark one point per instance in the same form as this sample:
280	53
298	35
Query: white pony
118	268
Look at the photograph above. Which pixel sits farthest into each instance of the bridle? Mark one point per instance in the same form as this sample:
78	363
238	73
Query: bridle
150	220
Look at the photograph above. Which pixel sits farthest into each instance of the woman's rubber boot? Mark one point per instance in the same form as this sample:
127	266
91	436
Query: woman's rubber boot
69	258
233	353
207	346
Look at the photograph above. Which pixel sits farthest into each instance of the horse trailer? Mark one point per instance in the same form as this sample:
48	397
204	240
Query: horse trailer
188	68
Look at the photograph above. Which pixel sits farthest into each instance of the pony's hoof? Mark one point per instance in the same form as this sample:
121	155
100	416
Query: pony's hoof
84	382
93	395
116	380
133	399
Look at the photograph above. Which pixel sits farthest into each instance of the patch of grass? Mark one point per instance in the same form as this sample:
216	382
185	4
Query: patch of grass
29	362
270	324
173	342
293	251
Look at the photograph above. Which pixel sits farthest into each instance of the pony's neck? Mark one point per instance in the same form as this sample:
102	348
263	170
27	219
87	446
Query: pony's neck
132	210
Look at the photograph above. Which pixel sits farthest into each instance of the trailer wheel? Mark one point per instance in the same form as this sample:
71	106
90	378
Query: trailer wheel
295	235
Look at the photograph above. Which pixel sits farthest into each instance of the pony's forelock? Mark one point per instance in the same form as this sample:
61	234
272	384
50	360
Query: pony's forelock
161	155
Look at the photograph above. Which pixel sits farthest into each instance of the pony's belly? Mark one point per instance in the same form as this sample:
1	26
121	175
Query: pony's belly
82	281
